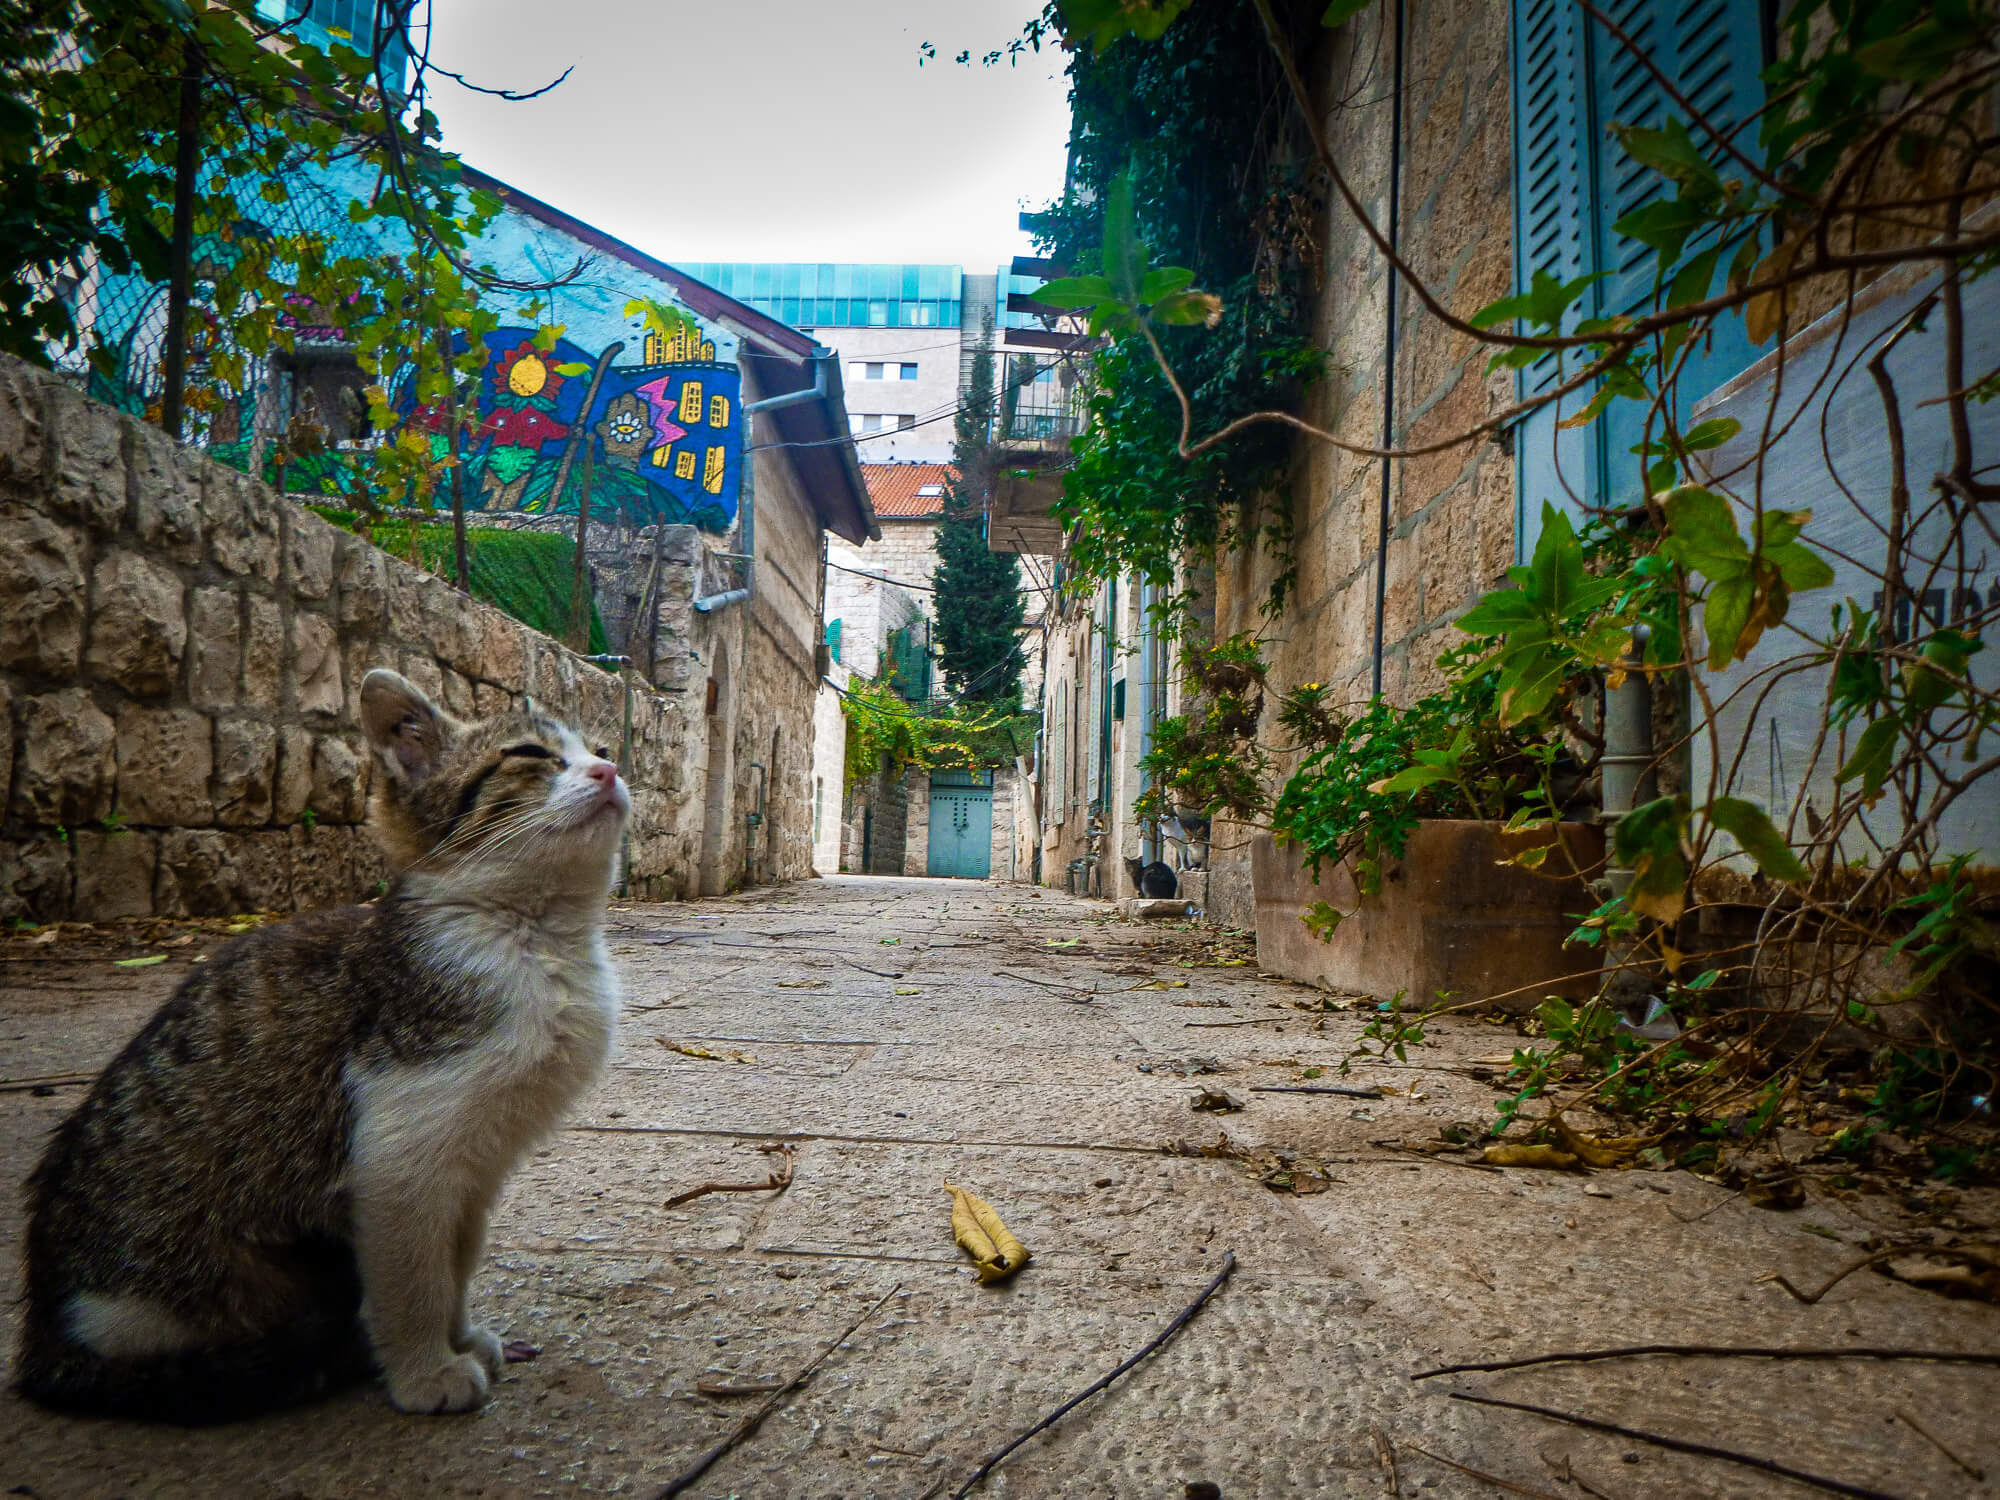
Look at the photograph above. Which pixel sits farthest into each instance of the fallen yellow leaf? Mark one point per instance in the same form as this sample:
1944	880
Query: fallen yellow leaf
1506	1155
995	1253
1598	1150
688	1049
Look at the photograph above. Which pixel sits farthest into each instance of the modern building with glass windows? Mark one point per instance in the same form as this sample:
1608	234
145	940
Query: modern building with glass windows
811	295
906	334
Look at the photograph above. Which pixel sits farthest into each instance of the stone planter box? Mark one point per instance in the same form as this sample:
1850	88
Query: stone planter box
1448	917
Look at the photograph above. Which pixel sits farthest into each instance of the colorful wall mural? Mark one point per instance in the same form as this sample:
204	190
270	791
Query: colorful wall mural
652	441
650	420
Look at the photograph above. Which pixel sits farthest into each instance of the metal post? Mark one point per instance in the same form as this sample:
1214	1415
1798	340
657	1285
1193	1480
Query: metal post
1626	768
180	259
624	764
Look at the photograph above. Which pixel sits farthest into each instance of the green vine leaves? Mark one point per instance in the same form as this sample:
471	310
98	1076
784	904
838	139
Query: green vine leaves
1749	583
1130	291
1552	624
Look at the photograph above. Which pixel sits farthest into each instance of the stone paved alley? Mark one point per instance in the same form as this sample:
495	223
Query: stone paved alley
942	1066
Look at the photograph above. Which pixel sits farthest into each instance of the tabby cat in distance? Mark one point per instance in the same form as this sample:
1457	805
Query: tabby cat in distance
282	1183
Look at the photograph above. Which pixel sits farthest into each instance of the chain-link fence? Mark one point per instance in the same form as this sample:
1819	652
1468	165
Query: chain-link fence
255	202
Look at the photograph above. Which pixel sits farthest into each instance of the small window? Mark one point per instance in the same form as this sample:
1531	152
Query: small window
878	314
905	422
875	372
930	489
909	372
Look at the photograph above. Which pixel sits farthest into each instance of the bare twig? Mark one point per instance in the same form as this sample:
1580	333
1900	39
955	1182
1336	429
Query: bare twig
1186	1315
1370	1092
878	973
1909	1421
1385	1455
1713	1351
1873	1259
1046	984
750	1423
46	1081
1493	1479
777	1182
1255	1021
1681	1445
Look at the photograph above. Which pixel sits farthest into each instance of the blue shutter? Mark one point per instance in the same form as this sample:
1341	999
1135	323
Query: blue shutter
1552	132
1713	50
1572	82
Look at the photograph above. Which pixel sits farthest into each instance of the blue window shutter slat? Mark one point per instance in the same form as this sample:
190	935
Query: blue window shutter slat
1551	215
1572	82
1713	51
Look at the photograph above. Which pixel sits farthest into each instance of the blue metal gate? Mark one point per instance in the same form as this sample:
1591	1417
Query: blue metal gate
961	838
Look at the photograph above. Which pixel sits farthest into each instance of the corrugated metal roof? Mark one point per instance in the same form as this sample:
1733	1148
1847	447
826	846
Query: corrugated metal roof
908	489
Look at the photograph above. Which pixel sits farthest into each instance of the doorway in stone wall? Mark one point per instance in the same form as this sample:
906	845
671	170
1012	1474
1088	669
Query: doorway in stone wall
961	827
717	804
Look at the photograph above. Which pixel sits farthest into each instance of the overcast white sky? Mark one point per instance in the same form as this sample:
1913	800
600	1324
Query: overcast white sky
778	130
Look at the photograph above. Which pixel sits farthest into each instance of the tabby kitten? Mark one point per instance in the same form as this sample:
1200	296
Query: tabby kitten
283	1181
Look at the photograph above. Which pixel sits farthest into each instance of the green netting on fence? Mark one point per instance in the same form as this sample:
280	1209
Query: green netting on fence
525	574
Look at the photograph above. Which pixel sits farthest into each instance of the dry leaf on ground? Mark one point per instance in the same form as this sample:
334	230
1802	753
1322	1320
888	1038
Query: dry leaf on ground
995	1253
1598	1150
688	1049
1507	1154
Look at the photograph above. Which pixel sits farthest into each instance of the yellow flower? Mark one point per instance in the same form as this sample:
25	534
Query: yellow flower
528	376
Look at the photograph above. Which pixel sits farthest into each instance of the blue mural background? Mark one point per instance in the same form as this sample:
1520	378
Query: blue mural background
637	469
664	440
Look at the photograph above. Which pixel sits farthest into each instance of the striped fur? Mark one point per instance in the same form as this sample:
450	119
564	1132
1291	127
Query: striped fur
283	1180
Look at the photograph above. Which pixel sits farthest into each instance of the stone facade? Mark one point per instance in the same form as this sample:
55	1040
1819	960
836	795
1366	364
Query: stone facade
1450	534
181	654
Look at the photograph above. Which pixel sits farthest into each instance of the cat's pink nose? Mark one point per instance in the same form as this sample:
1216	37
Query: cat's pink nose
603	773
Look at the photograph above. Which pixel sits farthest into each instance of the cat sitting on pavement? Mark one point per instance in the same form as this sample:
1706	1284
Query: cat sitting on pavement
282	1182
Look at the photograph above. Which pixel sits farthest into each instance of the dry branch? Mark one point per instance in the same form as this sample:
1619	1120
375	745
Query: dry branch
777	1182
1186	1315
1681	1445
750	1423
1713	1351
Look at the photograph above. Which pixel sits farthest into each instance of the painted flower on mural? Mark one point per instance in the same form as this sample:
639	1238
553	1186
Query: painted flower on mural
524	377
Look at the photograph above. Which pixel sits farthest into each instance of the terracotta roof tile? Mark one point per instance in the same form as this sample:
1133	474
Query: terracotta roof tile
899	489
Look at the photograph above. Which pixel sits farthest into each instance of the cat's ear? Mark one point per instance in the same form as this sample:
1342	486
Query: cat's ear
406	729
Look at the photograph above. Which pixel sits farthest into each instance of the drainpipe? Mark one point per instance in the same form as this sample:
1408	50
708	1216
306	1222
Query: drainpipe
746	531
1626	769
1149	840
755	820
1389	343
624	664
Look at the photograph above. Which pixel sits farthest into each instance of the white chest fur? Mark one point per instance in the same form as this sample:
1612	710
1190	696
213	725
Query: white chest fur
548	1000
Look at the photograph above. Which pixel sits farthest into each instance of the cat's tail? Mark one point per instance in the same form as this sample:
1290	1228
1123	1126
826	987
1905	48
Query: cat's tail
196	1387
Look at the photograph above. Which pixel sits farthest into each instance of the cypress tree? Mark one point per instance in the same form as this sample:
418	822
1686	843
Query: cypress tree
979	603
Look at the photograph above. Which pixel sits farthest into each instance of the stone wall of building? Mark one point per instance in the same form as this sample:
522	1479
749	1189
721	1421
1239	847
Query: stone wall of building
181	655
1451	514
780	627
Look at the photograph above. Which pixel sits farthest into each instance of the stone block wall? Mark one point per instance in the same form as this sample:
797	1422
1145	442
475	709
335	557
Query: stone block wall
1451	521
181	655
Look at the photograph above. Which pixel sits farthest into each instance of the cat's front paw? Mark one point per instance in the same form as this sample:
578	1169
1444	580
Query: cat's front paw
459	1384
483	1344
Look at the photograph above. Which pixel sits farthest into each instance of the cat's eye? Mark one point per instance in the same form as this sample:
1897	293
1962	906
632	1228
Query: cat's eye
603	752
532	752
